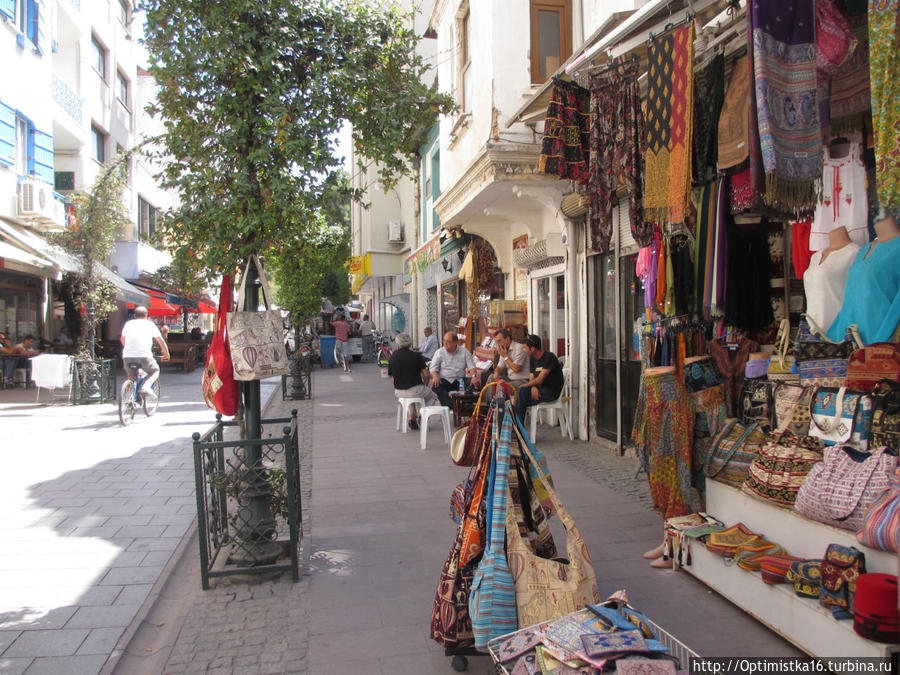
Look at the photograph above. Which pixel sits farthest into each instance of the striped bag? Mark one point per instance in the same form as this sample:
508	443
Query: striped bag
733	451
881	524
492	601
774	568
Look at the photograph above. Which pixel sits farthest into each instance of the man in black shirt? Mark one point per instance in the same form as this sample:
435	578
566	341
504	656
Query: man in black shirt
409	372
546	381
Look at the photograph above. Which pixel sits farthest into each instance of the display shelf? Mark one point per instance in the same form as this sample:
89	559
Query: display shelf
801	621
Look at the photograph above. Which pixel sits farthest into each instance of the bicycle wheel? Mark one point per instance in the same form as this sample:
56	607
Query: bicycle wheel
151	404
126	402
339	356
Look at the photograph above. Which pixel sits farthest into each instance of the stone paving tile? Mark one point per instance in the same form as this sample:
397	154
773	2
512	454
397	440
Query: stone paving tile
14	666
101	641
61	642
46	621
131	575
67	665
118	615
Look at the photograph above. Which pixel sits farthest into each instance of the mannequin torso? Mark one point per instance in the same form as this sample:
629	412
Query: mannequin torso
838	238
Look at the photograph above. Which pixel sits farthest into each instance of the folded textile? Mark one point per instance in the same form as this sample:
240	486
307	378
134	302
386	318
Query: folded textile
51	371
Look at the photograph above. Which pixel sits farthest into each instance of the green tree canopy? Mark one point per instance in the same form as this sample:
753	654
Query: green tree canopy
252	93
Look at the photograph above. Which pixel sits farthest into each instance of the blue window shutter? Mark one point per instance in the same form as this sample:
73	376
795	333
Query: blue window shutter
42	41
42	156
7	135
31	21
8	8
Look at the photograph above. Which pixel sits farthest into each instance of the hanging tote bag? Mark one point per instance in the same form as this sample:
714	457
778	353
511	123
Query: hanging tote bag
841	416
220	391
475	429
840	489
780	468
474	523
885	427
881	524
756	403
546	589
451	625
873	363
792	408
256	338
492	602
733	450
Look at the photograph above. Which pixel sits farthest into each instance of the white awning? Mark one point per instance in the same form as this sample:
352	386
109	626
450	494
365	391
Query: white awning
18	260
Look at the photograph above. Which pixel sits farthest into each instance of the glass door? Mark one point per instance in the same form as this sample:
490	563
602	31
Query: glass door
549	304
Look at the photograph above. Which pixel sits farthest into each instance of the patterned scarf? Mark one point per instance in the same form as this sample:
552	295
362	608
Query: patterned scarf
884	67
564	152
784	64
709	92
850	95
669	126
734	122
617	153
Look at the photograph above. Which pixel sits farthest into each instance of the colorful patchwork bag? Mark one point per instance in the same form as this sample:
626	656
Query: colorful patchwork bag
841	569
749	556
806	577
873	363
733	451
774	568
780	468
823	372
792	408
701	374
881	524
885	427
841	416
812	347
757	403
840	489
727	542
451	625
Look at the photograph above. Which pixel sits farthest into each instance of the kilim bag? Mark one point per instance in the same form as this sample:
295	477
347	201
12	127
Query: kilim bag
881	524
792	408
780	468
749	556
726	542
757	403
492	601
840	571
811	347
530	516
474	519
774	568
885	427
476	430
701	374
733	450
256	338
873	363
546	589
840	489
806	576
451	625
840	416
823	372
220	390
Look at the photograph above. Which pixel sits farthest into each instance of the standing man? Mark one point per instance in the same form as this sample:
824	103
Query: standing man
450	363
138	336
366	326
513	366
342	335
430	346
546	381
410	372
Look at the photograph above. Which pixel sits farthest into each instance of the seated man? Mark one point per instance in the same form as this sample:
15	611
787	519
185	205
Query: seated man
450	364
410	372
17	357
430	346
546	381
512	366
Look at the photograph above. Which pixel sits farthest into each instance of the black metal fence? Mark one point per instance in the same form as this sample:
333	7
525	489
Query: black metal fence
297	385
230	476
93	381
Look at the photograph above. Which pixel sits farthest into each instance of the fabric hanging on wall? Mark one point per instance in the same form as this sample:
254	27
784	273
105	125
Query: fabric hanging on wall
709	94
652	273
670	282
742	195
719	254
682	274
669	127
800	253
566	144
734	122
709	420
850	93
749	268
732	361
884	67
784	65
661	278
702	236
616	153
835	43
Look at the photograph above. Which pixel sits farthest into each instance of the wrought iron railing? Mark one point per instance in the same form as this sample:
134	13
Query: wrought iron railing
297	385
67	99
229	475
93	381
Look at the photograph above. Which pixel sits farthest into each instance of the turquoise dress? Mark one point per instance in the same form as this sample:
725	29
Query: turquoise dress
872	294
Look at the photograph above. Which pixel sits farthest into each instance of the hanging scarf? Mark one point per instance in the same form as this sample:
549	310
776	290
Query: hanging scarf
835	43
565	147
784	65
734	122
709	94
884	69
850	94
617	153
669	127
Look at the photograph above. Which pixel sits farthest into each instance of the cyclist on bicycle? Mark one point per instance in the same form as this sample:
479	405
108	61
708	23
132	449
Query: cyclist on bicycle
342	335
137	340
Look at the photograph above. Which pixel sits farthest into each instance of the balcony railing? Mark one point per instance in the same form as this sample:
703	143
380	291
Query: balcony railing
67	99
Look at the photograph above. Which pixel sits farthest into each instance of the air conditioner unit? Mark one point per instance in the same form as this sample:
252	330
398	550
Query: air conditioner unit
395	231
36	200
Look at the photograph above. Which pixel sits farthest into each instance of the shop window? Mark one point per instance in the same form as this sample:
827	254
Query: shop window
98	57
20	302
122	87
551	37
464	42
549	312
148	218
453	300
25	148
98	145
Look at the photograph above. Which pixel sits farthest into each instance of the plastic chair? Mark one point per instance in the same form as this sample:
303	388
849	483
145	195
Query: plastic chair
560	405
429	411
403	410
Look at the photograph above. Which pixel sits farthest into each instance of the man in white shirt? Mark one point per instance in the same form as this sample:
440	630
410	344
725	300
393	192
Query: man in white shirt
513	364
366	326
430	346
449	364
137	340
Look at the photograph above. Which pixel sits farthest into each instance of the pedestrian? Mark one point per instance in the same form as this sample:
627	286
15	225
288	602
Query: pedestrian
342	336
451	364
430	346
138	336
513	364
366	326
410	372
17	357
546	380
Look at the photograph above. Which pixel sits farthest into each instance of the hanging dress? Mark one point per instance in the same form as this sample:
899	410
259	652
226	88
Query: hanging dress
843	202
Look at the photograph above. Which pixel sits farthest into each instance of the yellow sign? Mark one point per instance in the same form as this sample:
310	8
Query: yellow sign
361	264
357	282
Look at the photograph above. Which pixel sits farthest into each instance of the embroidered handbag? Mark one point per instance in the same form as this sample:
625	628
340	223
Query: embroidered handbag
733	450
840	571
841	416
792	408
881	524
726	542
451	625
823	372
474	520
530	515
492	601
840	489
256	338
677	542
806	577
873	363
756	403
811	347
875	614
546	589
220	390
749	556
780	468
773	568
885	427
701	374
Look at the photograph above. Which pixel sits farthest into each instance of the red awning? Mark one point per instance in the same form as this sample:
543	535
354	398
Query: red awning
206	308
158	305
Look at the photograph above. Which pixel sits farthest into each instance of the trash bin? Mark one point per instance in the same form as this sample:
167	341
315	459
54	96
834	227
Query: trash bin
326	344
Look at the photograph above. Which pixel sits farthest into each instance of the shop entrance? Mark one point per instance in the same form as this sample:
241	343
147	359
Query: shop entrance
630	305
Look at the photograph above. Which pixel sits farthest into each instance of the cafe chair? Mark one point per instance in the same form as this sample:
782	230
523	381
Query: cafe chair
403	410
560	405
443	412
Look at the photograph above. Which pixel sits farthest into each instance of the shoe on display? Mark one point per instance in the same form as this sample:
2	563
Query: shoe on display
413	424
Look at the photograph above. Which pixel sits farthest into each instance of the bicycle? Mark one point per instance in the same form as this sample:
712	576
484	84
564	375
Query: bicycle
339	357
131	397
383	349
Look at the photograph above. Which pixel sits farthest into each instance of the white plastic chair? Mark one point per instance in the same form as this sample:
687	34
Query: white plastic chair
403	410
441	411
560	405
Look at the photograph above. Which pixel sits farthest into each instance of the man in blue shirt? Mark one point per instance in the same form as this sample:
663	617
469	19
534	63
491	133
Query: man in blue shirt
430	346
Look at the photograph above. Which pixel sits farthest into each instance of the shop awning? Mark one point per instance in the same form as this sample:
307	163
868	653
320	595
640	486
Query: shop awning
19	260
126	291
206	308
156	304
